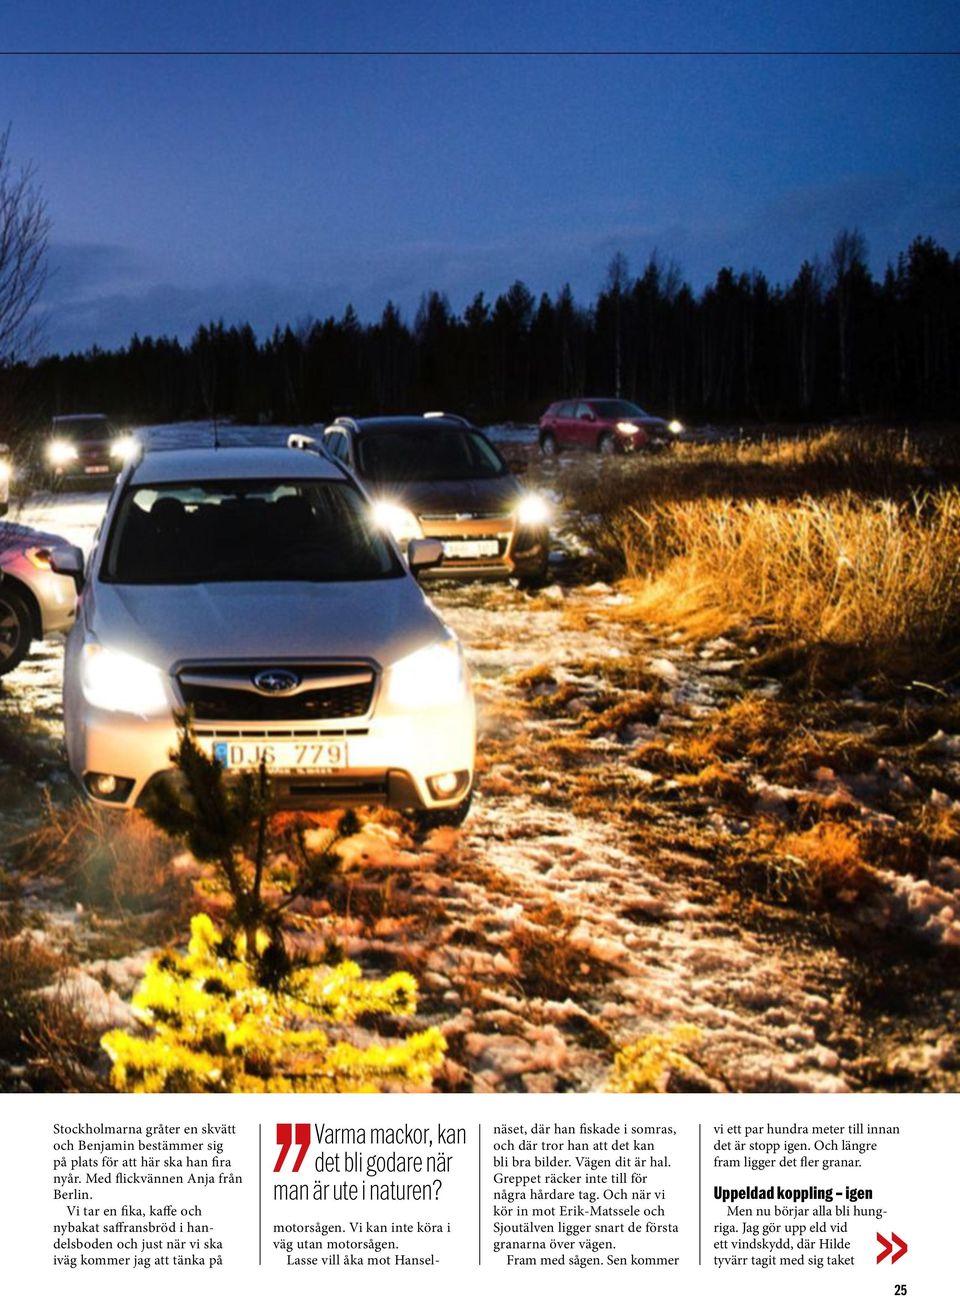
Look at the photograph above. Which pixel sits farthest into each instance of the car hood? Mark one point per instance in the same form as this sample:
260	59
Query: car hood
15	538
265	622
479	495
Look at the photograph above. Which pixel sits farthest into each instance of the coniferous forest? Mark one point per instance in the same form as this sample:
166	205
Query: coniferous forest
836	341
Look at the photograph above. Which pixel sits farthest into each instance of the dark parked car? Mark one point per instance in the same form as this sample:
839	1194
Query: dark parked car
437	476
604	424
85	446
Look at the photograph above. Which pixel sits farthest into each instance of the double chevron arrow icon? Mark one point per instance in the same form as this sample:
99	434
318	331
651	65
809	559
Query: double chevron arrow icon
888	1247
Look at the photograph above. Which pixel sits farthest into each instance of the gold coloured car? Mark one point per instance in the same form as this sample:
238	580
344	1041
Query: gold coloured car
437	476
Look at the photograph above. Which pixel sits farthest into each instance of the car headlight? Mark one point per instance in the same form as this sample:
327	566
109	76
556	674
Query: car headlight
675	426
122	448
119	682
6	471
626	426
60	453
398	520
431	677
532	511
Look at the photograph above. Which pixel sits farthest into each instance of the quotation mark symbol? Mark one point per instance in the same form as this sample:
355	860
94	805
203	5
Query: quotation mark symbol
288	1135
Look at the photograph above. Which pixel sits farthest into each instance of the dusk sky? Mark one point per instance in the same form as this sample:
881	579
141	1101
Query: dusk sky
183	188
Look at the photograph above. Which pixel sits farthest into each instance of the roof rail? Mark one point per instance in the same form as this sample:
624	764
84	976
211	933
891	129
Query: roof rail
303	441
444	414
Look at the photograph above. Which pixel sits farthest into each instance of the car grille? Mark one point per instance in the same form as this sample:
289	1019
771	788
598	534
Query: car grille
93	452
459	517
326	692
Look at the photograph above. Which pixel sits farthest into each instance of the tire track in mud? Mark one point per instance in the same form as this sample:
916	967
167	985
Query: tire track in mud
558	938
559	925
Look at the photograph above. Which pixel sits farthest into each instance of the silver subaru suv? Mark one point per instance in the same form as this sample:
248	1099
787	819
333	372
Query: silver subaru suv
253	589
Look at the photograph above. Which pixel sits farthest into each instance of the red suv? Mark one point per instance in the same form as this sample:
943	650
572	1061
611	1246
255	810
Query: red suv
604	424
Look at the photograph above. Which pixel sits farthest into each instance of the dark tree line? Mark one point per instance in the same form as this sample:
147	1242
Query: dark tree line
836	341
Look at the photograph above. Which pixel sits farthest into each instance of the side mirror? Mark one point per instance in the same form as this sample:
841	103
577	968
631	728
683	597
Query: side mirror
425	553
67	560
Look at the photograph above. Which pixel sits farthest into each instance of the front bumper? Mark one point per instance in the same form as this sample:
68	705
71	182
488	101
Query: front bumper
93	461
521	551
390	758
101	473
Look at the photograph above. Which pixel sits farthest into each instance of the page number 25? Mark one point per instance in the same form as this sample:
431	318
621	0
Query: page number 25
899	1290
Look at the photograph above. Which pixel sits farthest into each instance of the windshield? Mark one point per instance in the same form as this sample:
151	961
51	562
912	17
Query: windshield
617	410
435	454
81	427
187	532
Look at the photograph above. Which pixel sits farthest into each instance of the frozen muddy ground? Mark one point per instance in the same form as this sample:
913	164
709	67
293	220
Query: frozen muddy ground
556	925
558	935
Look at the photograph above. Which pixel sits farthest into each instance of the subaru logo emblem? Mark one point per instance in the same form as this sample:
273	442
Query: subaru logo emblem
276	681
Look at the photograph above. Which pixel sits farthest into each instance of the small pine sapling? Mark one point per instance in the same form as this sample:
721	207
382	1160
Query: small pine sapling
228	822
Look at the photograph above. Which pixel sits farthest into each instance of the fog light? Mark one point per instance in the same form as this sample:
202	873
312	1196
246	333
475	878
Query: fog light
108	788
449	784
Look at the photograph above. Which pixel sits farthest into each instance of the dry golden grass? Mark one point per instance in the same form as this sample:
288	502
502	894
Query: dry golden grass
941	826
720	784
849	539
810	847
785	741
844	570
831	853
870	462
819	868
42	1029
103	858
643	709
572	753
533	678
548	966
558	701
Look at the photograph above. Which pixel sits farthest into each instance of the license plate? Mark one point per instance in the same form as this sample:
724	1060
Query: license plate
471	548
286	754
97	468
